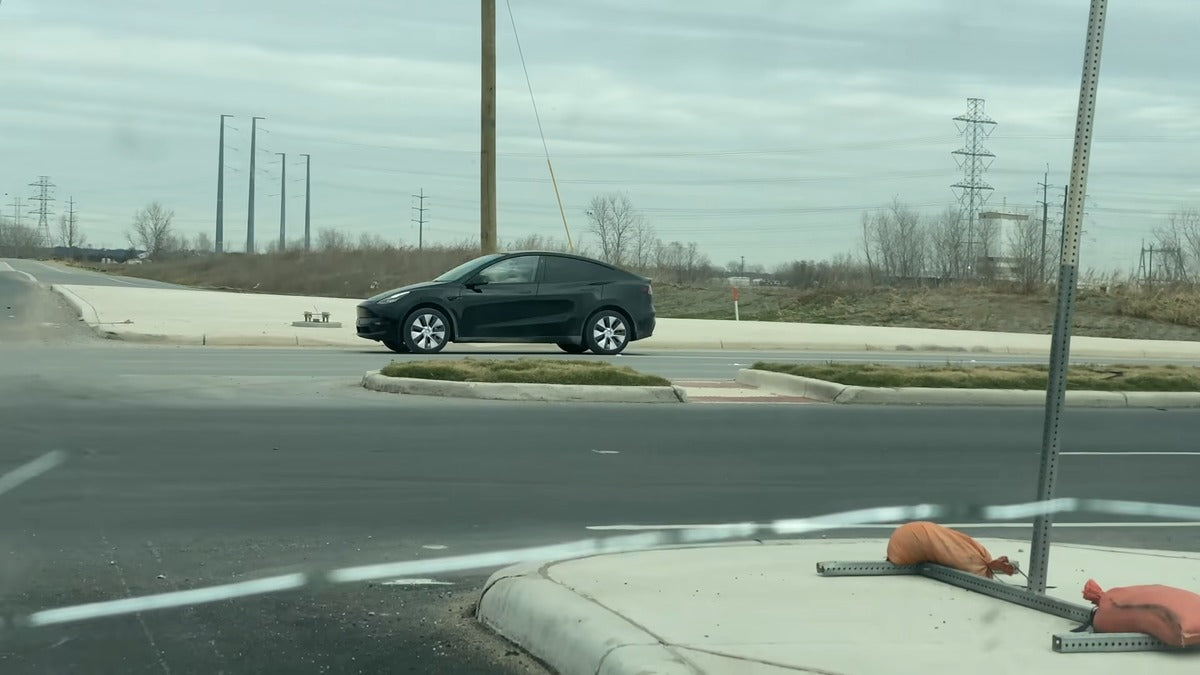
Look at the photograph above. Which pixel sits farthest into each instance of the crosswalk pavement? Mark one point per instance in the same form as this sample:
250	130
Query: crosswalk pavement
725	391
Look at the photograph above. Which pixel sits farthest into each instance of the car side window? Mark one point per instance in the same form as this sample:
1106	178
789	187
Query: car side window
569	270
519	270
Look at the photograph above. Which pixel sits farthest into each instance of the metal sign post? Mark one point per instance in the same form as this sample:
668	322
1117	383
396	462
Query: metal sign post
1068	274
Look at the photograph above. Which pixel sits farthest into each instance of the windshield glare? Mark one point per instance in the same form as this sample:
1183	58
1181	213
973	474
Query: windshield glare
463	270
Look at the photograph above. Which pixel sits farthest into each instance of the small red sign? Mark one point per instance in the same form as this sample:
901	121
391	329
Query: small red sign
735	293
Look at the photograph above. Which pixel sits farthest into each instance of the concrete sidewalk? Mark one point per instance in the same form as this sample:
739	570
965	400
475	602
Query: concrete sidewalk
198	317
759	609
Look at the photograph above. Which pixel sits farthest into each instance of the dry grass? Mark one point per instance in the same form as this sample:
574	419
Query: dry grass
341	274
1167	314
536	371
1130	313
1085	378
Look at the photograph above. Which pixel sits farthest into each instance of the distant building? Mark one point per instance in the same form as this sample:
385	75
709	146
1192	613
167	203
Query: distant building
999	265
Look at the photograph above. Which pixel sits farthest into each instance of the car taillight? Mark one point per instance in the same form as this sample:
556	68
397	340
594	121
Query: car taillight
649	289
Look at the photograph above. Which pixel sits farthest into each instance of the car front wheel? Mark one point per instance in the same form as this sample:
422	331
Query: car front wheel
572	348
607	333
395	344
425	331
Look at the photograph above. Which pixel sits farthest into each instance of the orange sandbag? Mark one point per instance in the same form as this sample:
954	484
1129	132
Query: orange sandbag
1170	614
921	542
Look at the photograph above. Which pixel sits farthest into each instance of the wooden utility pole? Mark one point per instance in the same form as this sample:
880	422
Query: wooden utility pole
487	153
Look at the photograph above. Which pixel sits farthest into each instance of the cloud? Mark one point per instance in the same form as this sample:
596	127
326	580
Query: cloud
758	128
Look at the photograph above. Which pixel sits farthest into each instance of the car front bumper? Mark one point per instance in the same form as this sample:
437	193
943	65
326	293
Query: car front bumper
371	327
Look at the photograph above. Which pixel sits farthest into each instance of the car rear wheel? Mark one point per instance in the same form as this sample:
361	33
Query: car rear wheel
425	331
607	333
572	348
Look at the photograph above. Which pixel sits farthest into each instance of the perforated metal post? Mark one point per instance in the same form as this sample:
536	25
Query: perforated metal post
1068	273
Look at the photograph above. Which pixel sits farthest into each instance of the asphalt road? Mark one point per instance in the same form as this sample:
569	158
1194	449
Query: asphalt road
55	273
173	483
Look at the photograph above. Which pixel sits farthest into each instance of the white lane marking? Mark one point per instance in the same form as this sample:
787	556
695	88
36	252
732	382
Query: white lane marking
416	582
434	547
886	526
1150	453
606	452
599	546
5	267
1131	453
31	470
165	600
81	273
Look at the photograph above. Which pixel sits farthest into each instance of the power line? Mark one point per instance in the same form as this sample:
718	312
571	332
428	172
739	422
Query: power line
665	154
557	195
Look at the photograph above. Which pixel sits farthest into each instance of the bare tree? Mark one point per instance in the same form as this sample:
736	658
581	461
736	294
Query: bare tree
947	244
329	239
987	245
19	241
69	234
682	263
1182	232
152	230
537	242
619	228
370	241
203	243
895	241
644	246
1025	253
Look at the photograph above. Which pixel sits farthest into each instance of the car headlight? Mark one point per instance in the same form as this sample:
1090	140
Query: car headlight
387	300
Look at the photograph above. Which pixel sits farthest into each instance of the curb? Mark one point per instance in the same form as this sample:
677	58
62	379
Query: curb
504	391
569	633
833	392
81	306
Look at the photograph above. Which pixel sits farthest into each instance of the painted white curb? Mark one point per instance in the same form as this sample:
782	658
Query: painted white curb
502	391
832	392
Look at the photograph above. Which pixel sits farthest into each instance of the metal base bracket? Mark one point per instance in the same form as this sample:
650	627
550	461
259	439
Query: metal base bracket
1086	643
1067	643
1018	595
866	568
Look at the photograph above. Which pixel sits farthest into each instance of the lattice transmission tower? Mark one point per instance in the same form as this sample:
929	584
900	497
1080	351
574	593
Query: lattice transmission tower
44	197
974	160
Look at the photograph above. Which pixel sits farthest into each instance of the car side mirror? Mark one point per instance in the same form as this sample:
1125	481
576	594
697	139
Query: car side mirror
475	283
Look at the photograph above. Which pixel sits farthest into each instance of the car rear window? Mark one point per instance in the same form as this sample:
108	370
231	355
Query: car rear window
570	270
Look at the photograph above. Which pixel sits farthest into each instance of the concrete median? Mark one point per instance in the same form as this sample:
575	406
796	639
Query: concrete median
833	392
506	391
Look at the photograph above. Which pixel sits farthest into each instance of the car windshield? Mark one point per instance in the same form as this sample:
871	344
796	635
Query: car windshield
465	269
316	314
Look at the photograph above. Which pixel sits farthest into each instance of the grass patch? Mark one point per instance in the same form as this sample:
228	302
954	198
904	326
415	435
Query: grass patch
529	371
1082	378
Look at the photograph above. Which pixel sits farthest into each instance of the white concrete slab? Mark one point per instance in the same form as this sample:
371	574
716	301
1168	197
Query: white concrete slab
762	608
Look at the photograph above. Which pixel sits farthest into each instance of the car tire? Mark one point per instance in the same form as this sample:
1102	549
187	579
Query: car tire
425	331
606	333
572	348
395	344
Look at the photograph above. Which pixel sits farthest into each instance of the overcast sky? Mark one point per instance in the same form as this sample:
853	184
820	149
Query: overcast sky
754	128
